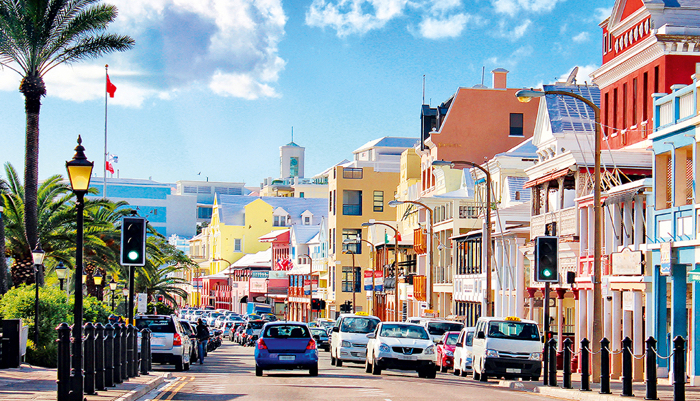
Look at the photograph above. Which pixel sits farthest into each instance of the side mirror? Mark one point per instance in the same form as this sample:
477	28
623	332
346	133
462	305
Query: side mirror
480	335
439	342
336	329
458	345
371	335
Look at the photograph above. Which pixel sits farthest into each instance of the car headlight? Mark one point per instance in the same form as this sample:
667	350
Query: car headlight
346	344
384	348
536	356
490	353
430	350
449	353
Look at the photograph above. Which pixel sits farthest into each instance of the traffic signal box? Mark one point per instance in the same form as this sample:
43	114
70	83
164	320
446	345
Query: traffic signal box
346	307
133	245
547	259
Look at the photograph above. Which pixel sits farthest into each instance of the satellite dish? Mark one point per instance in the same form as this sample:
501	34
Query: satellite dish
572	77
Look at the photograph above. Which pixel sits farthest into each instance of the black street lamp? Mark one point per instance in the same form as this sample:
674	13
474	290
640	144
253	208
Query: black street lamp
79	173
125	293
38	256
97	282
61	273
113	287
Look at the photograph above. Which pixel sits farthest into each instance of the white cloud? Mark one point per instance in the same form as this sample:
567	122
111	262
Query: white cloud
515	33
432	28
583	75
512	7
601	14
229	46
513	59
353	16
581	37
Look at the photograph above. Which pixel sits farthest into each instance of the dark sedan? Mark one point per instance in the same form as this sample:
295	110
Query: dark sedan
321	337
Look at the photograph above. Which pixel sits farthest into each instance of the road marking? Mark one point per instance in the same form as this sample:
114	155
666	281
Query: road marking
179	383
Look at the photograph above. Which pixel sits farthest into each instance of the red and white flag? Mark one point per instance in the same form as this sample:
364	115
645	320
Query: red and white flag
111	88
110	163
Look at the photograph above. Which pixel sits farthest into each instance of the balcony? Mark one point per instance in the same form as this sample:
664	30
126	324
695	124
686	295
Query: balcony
585	266
420	241
419	287
564	220
443	274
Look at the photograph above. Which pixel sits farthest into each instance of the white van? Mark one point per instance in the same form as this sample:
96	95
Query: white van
506	347
349	337
436	328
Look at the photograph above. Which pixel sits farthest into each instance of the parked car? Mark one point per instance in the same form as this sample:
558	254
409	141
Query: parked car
402	346
170	343
349	338
192	332
212	318
506	347
326	324
321	337
463	352
286	345
238	334
444	357
437	328
269	317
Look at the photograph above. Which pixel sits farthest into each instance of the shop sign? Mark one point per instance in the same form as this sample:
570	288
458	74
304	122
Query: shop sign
258	285
627	262
378	280
628	301
665	268
276	274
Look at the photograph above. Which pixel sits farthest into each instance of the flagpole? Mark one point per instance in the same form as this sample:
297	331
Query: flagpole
104	163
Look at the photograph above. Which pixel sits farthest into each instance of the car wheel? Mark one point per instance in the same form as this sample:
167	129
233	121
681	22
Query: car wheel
484	377
475	375
421	373
368	367
443	369
456	372
376	370
313	371
178	365
258	371
430	373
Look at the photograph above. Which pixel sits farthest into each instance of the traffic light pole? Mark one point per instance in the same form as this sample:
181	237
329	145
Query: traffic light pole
545	328
130	313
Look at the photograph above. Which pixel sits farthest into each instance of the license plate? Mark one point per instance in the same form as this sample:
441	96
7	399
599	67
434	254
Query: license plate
512	370
408	357
160	342
286	357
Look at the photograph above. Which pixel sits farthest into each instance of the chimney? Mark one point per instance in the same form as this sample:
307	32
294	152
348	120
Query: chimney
500	78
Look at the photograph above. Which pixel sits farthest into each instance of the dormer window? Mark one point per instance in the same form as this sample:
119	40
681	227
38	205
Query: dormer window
307	218
280	218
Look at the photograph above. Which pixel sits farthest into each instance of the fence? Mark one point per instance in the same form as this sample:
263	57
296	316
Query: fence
111	356
586	357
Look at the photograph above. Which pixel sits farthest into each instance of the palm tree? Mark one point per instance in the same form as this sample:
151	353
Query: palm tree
35	37
3	256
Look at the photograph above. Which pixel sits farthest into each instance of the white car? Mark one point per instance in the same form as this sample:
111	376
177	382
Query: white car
402	346
436	328
463	352
349	338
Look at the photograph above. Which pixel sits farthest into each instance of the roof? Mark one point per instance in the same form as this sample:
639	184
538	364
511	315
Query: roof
260	259
273	235
232	207
568	114
524	149
388	142
517	184
292	144
304	234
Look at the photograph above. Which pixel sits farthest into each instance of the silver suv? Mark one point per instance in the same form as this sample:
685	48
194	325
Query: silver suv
170	342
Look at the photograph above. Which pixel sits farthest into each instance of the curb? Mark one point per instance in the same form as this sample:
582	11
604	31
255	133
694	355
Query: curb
145	388
558	392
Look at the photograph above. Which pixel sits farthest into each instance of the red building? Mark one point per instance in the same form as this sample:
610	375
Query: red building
647	47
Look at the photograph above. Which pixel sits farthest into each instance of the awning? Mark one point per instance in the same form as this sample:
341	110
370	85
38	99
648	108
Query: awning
622	196
277	235
546	178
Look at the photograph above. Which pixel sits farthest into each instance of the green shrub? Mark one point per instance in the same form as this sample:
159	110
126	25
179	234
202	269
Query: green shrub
46	356
94	310
161	308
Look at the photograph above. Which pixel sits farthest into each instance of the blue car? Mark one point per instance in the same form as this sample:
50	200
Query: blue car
287	346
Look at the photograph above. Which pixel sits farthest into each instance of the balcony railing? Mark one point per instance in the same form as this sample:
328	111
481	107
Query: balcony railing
565	221
352	210
585	266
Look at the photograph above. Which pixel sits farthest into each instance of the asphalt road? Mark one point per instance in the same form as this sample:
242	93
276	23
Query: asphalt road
229	374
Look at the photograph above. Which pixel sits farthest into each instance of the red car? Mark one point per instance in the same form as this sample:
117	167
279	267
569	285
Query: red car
445	351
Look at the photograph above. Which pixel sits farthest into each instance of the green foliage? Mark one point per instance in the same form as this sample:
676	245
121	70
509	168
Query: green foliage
94	310
46	355
160	308
18	303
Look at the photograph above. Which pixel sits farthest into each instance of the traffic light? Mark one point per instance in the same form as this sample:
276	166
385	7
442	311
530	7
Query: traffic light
346	307
133	252
160	298
547	259
315	304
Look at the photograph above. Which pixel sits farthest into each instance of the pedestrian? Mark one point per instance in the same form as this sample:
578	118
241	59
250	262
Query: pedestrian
202	339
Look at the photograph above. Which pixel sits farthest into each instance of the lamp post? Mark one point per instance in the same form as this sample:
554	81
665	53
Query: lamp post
354	279
429	289
527	95
374	262
79	173
61	273
125	295
396	263
311	284
97	281
113	287
38	256
487	231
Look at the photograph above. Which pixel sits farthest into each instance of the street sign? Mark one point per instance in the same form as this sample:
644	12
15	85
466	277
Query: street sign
367	279
665	267
142	300
378	280
627	262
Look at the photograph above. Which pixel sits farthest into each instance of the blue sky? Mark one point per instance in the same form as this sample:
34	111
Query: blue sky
215	86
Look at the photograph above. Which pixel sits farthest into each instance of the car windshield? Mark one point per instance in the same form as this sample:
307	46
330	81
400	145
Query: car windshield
286	331
470	339
156	325
255	325
403	331
326	324
440	328
319	332
451	339
514	330
361	325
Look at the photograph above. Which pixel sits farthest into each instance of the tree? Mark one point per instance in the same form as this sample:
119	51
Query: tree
35	37
3	255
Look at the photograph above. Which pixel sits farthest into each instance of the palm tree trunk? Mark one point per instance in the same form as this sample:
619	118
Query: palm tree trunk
33	88
3	258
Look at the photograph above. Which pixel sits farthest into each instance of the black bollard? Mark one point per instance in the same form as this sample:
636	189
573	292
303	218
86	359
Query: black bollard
99	357
109	355
135	346
130	351
627	367
585	360
552	362
122	349
89	358
545	363
605	366
651	383
144	351
678	369
63	371
150	354
118	354
567	363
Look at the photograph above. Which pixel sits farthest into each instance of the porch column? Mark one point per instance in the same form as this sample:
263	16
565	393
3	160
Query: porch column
616	340
582	309
617	223
498	279
638	335
531	302
695	339
658	317
627	232
519	278
591	231
583	230
638	221
607	317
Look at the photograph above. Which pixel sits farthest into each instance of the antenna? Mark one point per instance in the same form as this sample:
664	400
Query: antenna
572	77
292	133
423	88
483	71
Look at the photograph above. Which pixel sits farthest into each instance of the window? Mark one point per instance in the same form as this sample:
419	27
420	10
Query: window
237	245
614	116
190	190
645	96
378	201
279	221
352	203
352	173
352	235
516	124
606	114
307	220
293	166
634	101
656	79
204	190
624	106
204	212
301	194
351	275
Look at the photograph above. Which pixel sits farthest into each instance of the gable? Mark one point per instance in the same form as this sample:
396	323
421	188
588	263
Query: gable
630	7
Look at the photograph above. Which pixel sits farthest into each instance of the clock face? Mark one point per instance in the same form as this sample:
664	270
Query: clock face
294	161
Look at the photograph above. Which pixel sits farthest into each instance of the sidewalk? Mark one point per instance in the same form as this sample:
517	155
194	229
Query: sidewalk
664	390
35	383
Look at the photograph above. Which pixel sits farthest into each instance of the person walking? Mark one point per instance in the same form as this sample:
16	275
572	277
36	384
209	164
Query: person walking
202	339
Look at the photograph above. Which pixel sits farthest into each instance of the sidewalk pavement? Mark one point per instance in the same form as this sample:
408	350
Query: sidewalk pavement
35	383
664	390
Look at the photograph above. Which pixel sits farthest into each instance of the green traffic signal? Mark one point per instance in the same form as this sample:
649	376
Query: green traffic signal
547	273
133	255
